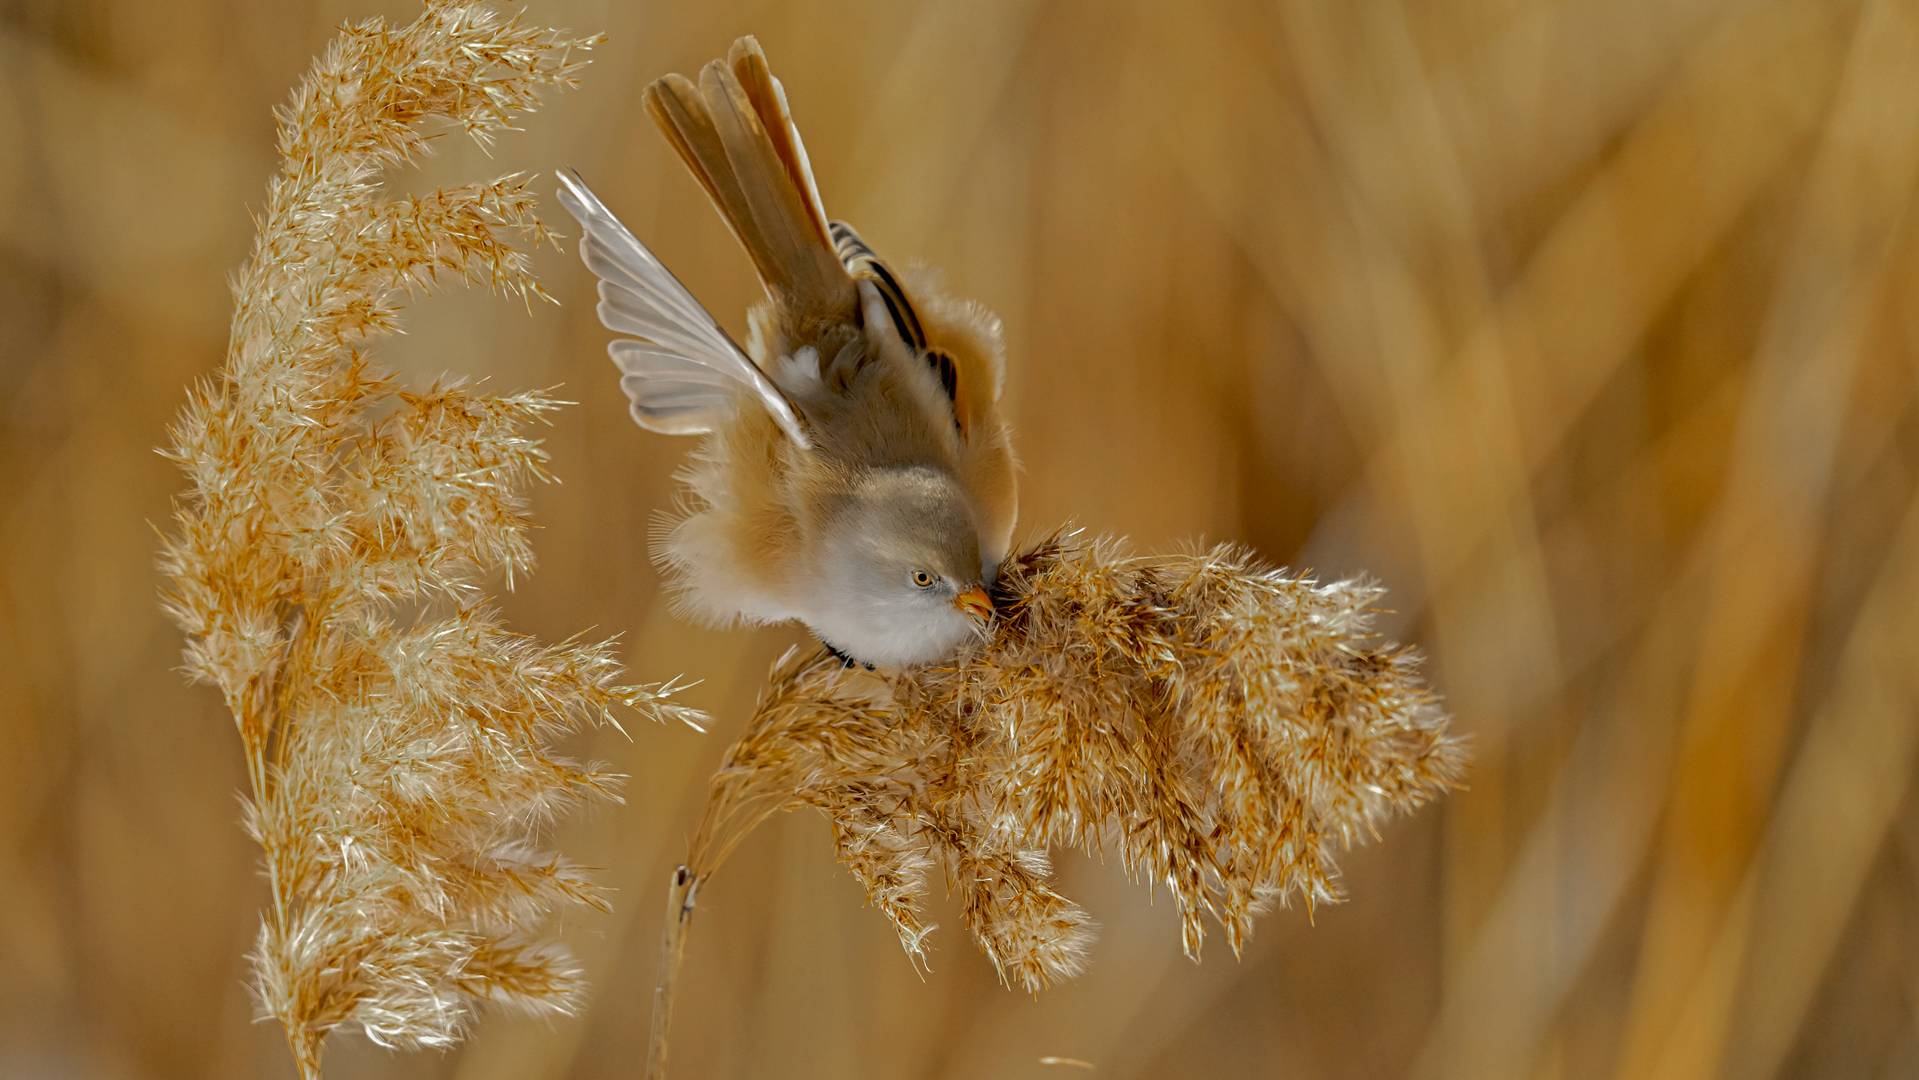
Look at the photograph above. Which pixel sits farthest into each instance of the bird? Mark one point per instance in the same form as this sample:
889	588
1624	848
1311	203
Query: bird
856	473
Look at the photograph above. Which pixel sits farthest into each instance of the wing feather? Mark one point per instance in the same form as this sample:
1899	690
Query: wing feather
683	373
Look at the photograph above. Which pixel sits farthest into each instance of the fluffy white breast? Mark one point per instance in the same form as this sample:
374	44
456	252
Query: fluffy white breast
888	635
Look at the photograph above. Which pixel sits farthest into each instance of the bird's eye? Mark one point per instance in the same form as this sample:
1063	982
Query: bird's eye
922	579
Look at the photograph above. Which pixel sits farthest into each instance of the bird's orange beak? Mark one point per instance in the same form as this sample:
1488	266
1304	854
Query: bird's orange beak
975	603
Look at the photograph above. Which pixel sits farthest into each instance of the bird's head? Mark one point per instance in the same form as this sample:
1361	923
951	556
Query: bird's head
900	580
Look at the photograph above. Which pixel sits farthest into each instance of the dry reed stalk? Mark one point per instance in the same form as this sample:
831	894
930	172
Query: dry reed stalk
1222	726
328	557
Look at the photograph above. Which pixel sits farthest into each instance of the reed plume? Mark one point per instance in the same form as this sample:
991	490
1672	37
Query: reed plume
328	558
1223	727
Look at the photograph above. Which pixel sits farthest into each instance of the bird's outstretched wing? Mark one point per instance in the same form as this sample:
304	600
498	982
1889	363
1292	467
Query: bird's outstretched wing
684	372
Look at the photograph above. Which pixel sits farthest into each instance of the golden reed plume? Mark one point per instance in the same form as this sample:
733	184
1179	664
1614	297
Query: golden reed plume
1223	727
327	559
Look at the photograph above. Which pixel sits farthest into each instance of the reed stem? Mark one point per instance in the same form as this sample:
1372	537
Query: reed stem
681	891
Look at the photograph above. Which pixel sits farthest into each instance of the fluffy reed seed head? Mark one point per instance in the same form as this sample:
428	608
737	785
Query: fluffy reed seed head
1223	727
328	558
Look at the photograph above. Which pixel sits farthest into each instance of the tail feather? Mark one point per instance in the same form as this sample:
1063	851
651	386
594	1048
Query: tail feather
675	104
736	136
768	100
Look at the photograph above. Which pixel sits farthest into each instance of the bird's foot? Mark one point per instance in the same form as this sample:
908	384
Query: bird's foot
845	659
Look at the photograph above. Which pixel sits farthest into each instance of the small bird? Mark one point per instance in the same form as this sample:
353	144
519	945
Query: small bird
856	474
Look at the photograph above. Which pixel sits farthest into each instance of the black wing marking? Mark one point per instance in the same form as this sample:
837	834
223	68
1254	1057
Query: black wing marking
860	261
948	372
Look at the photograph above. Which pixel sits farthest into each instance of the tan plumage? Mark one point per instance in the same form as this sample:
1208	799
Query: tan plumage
856	473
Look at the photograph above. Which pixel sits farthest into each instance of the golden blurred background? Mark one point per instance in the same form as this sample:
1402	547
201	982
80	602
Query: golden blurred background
1591	328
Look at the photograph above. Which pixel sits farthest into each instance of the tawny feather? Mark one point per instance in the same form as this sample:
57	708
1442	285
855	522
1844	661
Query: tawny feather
734	133
896	466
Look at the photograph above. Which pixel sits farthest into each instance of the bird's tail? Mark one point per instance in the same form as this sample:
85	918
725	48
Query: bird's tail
735	134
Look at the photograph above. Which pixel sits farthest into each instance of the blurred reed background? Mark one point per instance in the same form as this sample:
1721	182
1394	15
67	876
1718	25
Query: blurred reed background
1589	327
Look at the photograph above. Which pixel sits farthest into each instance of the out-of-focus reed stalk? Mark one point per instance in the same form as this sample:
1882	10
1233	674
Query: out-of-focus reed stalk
327	559
1222	726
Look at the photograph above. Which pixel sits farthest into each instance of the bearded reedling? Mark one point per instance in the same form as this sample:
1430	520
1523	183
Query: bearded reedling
856	474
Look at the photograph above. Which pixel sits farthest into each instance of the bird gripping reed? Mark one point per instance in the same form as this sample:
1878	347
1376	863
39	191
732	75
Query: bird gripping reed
1223	727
